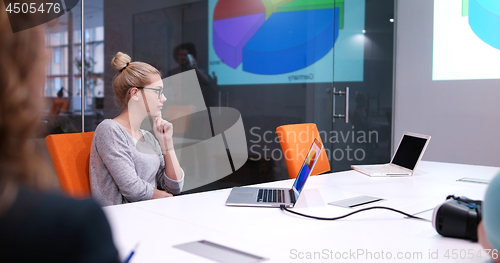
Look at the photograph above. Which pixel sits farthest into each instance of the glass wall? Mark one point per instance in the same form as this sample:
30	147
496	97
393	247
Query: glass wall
366	137
63	88
276	62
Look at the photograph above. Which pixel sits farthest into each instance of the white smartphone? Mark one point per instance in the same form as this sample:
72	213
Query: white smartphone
190	59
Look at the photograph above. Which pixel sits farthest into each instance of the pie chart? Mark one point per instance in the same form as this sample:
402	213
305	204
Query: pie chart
484	20
271	37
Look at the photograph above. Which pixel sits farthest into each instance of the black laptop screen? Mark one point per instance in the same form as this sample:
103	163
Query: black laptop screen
409	151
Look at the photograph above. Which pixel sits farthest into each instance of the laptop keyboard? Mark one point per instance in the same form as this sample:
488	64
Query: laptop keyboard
271	196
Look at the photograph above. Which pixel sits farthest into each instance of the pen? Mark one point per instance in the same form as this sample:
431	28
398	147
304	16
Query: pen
131	253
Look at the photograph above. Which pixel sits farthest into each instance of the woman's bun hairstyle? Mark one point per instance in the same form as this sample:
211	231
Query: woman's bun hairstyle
120	61
130	75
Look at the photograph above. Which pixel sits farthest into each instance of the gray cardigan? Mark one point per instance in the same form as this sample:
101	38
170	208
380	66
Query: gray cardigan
124	170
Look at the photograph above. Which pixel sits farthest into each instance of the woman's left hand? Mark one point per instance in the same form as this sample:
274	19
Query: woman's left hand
163	131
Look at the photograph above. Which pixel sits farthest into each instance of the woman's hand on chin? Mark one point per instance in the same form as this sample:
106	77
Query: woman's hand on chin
163	131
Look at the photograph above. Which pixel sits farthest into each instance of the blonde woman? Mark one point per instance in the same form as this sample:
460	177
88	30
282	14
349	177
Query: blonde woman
128	164
36	226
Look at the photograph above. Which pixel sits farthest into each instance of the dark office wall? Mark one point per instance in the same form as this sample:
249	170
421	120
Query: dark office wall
119	18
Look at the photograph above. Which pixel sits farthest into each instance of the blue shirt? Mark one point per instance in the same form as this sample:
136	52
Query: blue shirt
491	213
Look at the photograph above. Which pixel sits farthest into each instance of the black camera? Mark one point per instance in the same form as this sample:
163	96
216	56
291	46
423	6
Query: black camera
457	217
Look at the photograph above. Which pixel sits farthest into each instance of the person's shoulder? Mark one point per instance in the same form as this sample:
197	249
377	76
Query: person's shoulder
107	124
60	204
109	127
48	224
75	216
496	181
174	71
491	212
493	191
54	208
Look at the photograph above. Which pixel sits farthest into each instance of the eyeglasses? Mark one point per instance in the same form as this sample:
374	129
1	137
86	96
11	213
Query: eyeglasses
159	91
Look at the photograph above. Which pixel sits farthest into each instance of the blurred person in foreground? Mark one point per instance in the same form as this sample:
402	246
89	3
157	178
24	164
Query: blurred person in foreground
488	231
37	226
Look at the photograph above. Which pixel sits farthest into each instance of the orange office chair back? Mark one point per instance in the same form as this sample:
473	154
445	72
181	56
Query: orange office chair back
296	139
70	154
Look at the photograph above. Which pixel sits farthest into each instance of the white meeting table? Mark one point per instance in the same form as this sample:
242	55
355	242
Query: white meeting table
370	236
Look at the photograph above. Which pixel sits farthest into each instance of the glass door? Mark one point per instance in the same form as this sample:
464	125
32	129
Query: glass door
354	112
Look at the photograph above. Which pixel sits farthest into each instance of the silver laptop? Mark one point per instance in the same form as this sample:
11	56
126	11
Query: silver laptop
275	197
410	150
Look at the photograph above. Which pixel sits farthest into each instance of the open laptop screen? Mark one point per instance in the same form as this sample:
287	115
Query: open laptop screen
409	150
307	167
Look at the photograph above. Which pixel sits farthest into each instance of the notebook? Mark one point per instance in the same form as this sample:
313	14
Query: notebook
410	150
275	197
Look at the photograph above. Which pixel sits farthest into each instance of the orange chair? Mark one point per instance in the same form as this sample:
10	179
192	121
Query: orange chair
58	106
70	154
297	138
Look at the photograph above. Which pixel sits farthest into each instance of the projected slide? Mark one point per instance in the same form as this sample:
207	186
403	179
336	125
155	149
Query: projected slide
466	40
284	41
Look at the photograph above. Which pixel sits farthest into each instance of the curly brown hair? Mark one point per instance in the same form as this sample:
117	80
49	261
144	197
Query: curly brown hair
22	69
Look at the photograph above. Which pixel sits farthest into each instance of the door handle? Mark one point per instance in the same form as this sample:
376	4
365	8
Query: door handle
341	93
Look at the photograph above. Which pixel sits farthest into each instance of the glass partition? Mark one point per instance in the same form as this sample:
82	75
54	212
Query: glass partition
366	137
276	62
63	88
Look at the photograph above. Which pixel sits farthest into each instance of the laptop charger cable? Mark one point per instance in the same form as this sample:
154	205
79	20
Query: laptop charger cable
282	207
